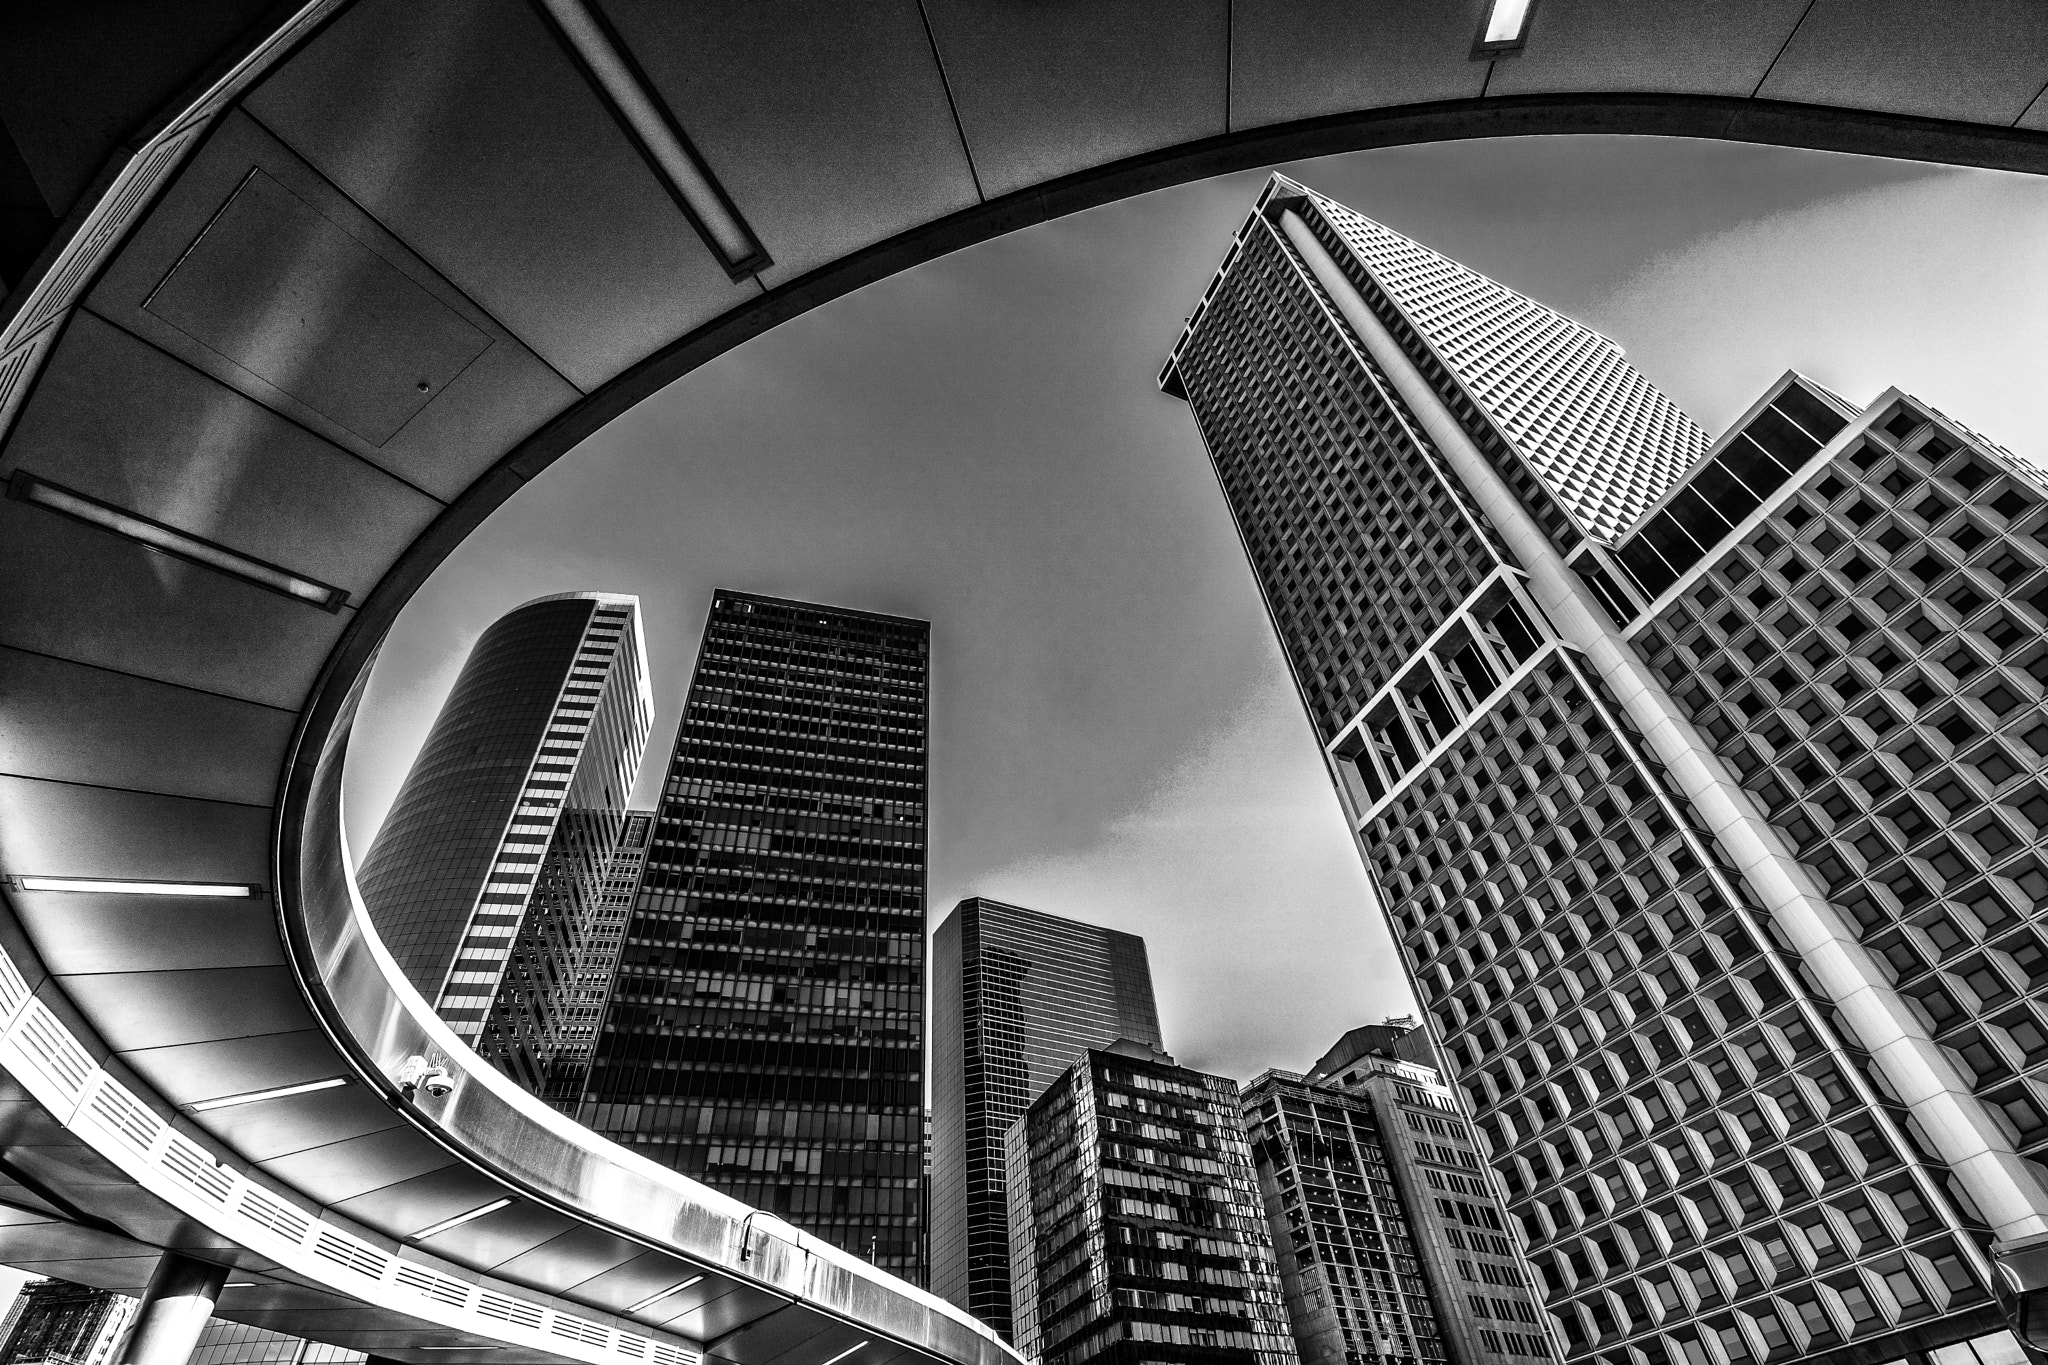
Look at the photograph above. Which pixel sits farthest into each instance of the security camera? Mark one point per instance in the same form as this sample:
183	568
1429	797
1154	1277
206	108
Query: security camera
417	1073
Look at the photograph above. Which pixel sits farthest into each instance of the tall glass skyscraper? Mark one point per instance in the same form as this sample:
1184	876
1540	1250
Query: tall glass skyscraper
597	965
488	872
1698	776
766	1025
1017	997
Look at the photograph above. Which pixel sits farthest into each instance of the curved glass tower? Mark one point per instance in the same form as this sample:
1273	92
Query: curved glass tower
488	874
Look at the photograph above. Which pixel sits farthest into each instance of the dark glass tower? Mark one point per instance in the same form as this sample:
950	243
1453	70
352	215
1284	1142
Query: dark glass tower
1017	997
765	1030
488	873
1137	1232
598	963
1697	776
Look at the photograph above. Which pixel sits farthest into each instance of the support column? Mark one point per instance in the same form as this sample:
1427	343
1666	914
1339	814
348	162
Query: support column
173	1311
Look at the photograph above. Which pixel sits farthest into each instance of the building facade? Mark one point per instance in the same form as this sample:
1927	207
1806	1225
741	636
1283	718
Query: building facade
1486	1305
1655	751
488	872
236	1343
765	1028
1343	1243
597	965
55	1322
1017	997
1137	1231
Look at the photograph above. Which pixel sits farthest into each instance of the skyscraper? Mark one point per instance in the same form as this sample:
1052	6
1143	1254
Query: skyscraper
488	871
765	1029
55	1322
1695	776
1017	997
598	963
1485	1307
1137	1232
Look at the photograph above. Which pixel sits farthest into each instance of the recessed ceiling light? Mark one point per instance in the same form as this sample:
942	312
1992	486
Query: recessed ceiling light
116	886
459	1219
276	1093
653	1299
696	192
845	1353
1507	25
26	487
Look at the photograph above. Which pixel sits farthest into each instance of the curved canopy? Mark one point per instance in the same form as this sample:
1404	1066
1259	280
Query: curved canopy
299	297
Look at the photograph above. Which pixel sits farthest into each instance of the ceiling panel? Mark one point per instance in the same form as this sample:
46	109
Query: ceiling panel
451	433
803	1336
1980	60
421	1202
1059	86
338	1171
80	724
827	123
649	1272
90	932
714	1315
134	1011
282	291
570	1258
1706	47
120	421
464	128
1297	59
269	1128
504	1235
236	1066
78	592
68	831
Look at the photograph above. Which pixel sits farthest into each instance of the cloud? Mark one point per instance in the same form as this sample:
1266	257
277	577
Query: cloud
1937	286
1258	918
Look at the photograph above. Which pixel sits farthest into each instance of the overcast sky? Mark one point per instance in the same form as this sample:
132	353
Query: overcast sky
980	442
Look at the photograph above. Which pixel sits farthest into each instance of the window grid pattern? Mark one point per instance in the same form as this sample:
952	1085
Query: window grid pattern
1138	1233
1701	1162
1017	997
765	1027
1871	663
1695	1175
597	964
1606	441
1348	1263
1326	476
236	1343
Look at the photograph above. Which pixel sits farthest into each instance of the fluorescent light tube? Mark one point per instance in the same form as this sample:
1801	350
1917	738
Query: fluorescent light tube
1505	22
653	1299
845	1353
275	1093
691	183
459	1219
28	488
117	887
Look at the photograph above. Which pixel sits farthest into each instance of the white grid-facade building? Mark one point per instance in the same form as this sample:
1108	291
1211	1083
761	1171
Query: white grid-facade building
1694	856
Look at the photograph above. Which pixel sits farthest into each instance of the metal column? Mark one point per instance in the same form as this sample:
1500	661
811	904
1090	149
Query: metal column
173	1311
